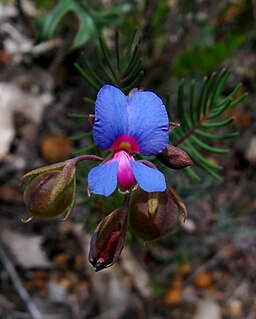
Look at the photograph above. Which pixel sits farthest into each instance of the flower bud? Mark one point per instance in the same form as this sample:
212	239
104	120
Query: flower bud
108	239
152	215
174	157
50	191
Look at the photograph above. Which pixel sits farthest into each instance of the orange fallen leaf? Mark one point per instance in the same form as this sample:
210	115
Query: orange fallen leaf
173	294
203	280
5	57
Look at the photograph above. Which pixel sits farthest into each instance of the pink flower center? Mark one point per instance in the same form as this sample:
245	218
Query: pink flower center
125	174
127	143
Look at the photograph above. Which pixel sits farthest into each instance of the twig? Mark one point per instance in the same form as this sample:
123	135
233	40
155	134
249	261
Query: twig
22	292
20	8
45	47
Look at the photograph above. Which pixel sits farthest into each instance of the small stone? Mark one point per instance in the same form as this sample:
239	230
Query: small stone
235	308
207	308
57	293
250	153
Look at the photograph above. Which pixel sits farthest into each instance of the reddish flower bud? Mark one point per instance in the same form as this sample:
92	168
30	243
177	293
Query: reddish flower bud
174	157
50	190
108	239
152	215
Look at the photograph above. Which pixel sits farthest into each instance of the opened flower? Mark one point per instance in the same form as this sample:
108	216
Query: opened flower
128	125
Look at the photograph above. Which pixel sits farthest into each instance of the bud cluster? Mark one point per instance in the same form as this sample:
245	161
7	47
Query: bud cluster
50	191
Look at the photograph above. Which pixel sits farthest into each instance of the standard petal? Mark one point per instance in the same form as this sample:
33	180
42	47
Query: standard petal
111	117
102	179
148	122
149	179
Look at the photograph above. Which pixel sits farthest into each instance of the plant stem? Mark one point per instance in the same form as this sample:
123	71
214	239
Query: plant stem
82	158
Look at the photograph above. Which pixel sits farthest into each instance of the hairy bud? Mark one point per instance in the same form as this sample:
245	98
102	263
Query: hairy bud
50	190
152	215
108	239
174	157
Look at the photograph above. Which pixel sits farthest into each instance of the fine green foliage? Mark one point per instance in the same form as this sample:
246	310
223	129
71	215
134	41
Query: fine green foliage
121	69
5	2
200	120
90	21
201	115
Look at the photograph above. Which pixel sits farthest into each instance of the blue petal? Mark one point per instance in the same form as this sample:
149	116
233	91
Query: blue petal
148	122
111	118
149	179
102	179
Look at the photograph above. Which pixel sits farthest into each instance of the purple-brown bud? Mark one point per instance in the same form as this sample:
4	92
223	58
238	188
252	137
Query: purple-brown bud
108	239
152	215
174	157
50	190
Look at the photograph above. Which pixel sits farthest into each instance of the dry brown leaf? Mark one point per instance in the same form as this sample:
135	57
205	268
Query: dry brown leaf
173	296
5	57
55	149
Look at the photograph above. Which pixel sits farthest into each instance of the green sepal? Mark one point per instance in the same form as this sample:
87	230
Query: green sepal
40	170
71	206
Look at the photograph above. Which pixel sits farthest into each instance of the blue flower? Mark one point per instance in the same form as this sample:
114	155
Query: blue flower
128	125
